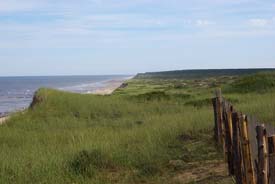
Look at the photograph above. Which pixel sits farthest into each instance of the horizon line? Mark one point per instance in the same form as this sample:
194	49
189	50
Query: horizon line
191	69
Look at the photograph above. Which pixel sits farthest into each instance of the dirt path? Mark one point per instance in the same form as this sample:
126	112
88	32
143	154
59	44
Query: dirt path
207	172
201	162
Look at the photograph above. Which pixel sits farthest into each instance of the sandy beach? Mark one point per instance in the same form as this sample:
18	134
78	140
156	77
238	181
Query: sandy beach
3	119
110	87
107	89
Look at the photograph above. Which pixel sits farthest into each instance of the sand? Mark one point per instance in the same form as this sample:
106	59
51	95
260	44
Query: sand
3	119
110	87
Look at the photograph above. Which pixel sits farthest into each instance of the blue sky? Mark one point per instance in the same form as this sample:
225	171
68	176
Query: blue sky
91	37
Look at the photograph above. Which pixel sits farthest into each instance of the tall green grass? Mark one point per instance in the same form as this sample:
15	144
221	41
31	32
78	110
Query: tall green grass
128	137
72	138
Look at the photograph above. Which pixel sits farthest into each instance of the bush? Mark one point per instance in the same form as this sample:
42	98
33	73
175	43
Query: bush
260	82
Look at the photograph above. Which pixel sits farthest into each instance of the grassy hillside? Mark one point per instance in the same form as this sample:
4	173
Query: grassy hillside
152	131
71	138
199	74
259	82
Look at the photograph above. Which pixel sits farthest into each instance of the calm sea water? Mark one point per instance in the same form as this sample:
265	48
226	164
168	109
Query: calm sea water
16	93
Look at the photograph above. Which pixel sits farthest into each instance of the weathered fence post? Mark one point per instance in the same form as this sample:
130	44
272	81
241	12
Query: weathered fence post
217	104
227	118
220	119
246	152
262	155
216	127
271	154
236	149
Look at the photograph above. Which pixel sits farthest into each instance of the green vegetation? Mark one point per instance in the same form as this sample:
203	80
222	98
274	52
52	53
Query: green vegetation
260	82
200	74
152	131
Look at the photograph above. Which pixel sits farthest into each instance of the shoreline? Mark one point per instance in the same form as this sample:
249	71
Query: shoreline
110	86
107	89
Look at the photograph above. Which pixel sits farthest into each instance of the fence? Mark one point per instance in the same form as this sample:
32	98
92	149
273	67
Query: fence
248	146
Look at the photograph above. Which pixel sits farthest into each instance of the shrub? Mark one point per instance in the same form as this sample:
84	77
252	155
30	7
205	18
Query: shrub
260	82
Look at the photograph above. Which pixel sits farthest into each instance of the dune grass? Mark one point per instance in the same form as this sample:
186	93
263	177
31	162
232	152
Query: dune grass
128	137
72	138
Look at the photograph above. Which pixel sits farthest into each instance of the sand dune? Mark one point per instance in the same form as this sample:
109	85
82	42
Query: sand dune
106	90
3	119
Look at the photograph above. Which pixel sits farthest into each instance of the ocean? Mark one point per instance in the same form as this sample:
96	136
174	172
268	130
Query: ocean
16	93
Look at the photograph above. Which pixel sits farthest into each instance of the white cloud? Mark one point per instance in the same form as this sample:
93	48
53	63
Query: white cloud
15	5
242	33
105	21
204	23
125	22
259	22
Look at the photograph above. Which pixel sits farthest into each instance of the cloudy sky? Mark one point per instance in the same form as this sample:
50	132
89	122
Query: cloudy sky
72	37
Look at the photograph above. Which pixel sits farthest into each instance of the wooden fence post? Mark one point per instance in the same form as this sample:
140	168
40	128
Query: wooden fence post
271	154
246	151
228	135
219	127
220	118
262	155
216	127
236	149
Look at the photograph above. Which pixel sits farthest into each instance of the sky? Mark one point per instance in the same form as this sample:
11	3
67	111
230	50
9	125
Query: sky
99	37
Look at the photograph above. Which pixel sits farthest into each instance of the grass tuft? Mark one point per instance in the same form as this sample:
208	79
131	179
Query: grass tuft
86	163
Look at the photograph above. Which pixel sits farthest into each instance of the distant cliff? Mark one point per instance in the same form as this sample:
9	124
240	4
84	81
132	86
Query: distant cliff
197	74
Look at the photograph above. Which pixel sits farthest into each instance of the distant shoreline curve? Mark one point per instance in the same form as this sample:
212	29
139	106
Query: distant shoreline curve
110	87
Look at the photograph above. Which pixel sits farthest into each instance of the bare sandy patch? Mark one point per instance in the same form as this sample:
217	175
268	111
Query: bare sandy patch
3	119
205	172
110	87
